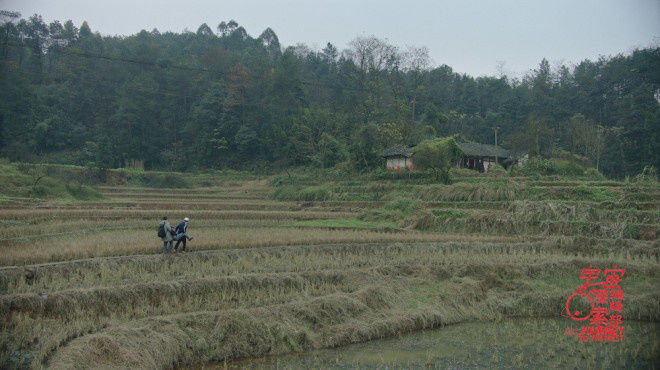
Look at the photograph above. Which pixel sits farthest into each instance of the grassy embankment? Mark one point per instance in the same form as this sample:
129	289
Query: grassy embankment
281	267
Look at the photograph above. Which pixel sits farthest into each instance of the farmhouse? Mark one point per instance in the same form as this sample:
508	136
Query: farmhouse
481	156
476	156
398	158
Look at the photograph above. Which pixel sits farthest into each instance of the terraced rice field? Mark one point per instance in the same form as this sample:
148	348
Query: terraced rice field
85	284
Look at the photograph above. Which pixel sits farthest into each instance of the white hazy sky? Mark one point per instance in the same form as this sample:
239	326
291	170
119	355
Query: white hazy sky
471	36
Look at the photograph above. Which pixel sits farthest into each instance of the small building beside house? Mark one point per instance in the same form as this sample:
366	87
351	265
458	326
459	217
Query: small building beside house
398	158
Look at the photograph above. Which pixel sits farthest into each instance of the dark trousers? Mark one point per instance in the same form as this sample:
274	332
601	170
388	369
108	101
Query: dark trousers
181	239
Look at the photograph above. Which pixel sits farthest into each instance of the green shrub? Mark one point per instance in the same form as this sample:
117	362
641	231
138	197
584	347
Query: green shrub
631	231
158	180
567	168
534	167
548	167
40	191
206	181
284	179
422	220
404	205
594	193
340	171
471	192
383	174
82	192
437	157
315	193
394	210
379	215
298	175
446	214
304	193
496	169
463	172
593	174
648	175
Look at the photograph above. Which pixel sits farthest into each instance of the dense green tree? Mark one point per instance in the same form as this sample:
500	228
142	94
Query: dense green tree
366	148
438	156
200	100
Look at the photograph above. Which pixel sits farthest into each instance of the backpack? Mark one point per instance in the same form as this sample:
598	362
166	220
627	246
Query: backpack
161	231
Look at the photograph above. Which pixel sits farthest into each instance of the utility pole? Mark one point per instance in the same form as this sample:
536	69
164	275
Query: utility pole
496	149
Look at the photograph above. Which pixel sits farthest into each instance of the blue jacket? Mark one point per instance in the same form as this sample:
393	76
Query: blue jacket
181	228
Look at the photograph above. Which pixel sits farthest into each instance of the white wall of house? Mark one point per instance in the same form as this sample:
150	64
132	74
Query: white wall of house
398	163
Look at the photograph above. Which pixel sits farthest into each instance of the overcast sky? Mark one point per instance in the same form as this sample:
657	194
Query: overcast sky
471	36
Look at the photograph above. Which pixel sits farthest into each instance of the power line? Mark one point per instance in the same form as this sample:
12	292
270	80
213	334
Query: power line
134	61
173	66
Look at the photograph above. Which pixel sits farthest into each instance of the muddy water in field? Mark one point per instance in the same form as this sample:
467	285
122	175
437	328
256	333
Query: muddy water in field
528	343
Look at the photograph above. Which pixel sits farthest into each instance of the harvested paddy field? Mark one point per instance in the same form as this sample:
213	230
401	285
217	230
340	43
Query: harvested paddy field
284	268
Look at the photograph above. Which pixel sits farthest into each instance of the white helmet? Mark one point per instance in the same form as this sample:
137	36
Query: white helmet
186	219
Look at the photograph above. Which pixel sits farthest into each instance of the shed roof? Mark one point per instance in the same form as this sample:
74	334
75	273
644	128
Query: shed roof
484	150
397	151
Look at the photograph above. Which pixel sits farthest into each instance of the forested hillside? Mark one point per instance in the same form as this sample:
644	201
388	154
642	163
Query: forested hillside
220	98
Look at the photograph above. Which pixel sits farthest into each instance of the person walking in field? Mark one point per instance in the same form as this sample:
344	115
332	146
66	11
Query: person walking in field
165	232
182	235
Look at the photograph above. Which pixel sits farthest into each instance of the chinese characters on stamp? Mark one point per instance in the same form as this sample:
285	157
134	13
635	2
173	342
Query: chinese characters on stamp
600	312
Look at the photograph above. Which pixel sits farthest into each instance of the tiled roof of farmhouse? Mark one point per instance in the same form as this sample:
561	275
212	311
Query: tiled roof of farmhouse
397	151
484	150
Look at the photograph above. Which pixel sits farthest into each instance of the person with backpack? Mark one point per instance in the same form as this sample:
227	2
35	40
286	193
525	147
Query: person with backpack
165	232
182	234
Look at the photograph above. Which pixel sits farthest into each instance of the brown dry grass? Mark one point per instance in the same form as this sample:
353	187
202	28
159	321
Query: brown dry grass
456	280
256	286
38	215
117	243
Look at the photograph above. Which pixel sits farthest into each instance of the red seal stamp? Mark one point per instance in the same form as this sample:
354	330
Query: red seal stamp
598	303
